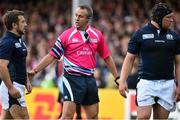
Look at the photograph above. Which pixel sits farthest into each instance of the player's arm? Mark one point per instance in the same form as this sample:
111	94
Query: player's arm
5	74
6	78
125	71
177	75
111	66
45	61
28	86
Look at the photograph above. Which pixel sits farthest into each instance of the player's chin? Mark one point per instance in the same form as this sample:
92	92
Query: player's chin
77	25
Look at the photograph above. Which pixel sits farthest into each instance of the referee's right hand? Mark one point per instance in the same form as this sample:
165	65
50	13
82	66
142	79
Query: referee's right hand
31	75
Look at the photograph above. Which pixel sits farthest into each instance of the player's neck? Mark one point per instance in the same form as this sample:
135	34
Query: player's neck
154	24
83	28
15	32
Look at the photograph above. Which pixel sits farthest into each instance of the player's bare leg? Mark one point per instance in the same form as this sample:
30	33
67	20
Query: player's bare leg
19	112
159	112
69	108
144	112
5	115
91	111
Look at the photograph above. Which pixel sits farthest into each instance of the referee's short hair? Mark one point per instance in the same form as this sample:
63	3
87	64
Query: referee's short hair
89	10
11	17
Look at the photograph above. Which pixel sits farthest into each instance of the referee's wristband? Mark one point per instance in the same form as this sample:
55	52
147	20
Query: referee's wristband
117	83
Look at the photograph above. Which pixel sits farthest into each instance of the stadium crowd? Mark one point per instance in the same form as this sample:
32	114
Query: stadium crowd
117	19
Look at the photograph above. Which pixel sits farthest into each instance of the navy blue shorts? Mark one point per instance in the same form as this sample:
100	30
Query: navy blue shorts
80	89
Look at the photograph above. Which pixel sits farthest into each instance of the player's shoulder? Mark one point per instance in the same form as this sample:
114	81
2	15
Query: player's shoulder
173	33
7	43
69	30
147	28
66	33
95	30
138	32
6	40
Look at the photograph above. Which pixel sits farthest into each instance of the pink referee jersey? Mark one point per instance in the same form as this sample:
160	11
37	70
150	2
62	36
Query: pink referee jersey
79	49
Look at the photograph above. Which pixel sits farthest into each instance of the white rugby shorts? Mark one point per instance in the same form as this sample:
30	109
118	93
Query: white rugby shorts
5	97
147	90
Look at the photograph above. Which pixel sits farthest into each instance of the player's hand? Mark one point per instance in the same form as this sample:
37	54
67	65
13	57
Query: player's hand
123	89
14	92
28	87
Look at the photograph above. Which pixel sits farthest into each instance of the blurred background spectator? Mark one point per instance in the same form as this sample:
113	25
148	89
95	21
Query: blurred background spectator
117	19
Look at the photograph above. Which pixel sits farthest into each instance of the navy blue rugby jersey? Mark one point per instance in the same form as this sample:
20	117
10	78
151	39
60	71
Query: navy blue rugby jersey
12	48
157	50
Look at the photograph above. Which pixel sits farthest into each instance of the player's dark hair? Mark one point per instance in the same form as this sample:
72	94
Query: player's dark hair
11	17
1	28
159	11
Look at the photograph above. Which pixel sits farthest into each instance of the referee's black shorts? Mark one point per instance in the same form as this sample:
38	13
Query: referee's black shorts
80	89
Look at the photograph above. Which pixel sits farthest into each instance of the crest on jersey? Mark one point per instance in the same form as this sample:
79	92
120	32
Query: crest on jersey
18	45
169	37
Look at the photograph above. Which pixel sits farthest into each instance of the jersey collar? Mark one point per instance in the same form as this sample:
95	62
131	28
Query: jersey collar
12	35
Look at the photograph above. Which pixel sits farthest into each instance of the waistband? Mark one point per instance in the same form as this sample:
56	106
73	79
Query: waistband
79	75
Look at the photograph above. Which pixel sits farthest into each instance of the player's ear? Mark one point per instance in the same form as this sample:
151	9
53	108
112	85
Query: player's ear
14	25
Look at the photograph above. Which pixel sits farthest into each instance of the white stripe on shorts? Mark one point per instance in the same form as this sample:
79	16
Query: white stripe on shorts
66	83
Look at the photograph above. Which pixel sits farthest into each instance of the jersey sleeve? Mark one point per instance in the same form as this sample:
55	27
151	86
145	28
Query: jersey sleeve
134	43
58	49
103	49
6	49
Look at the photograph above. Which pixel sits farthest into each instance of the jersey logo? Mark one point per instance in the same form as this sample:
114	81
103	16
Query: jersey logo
147	36
159	41
18	45
93	40
169	37
66	97
75	40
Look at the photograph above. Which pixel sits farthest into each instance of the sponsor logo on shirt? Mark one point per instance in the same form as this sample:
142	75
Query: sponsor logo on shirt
147	36
75	40
84	51
93	40
160	41
18	45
